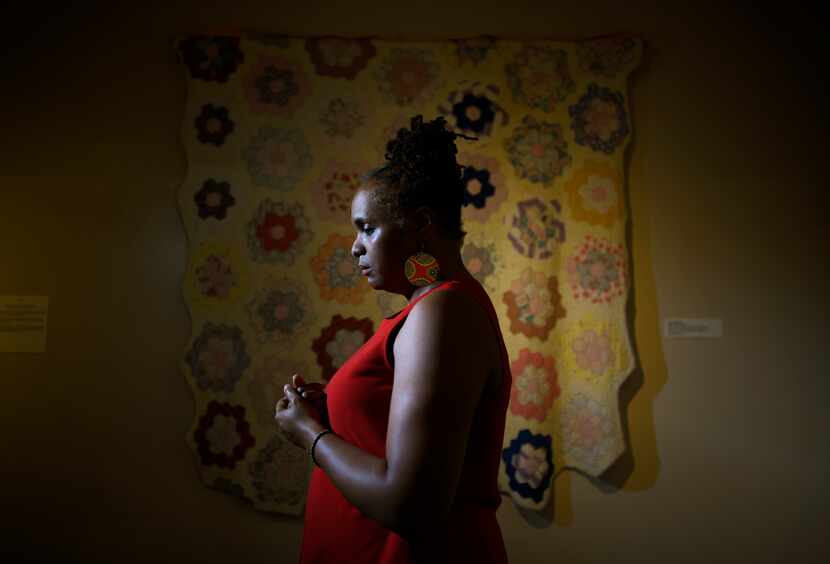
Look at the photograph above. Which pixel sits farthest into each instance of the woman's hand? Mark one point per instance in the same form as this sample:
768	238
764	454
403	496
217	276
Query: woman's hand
314	392
297	416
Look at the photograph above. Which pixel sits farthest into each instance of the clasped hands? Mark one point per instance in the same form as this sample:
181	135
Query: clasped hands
301	413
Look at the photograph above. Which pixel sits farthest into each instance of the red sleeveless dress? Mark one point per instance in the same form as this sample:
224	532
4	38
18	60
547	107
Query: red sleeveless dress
359	396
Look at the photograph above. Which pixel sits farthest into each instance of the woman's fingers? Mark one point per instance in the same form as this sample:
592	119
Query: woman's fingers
310	389
292	394
281	405
290	391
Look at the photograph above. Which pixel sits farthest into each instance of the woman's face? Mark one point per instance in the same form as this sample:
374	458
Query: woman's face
380	246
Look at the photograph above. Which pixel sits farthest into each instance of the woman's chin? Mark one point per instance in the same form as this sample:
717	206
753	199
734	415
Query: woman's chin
374	283
377	283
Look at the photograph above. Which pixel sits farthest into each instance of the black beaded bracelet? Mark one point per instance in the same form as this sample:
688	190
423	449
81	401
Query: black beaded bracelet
314	444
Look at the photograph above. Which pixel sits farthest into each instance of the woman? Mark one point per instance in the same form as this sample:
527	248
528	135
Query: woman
407	471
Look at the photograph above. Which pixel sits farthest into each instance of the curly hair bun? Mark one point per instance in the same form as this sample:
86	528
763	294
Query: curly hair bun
422	168
425	149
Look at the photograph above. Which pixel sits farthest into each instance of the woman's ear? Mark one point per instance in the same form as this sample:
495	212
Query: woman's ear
423	220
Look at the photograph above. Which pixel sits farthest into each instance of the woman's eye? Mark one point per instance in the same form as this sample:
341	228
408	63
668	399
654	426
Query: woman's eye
368	230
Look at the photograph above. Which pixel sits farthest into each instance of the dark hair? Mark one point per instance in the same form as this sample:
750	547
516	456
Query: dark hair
422	171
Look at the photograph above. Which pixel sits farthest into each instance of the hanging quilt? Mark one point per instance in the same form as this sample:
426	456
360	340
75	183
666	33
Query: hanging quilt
277	131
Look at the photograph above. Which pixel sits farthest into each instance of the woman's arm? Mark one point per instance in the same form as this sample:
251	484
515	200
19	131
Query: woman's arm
440	371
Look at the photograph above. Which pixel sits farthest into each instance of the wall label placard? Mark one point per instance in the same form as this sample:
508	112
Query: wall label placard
23	323
688	328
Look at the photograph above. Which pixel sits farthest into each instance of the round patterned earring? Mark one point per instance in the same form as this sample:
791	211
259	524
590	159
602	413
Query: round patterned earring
422	268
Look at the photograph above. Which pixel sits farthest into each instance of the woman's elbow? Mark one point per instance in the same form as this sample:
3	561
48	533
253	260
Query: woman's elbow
422	518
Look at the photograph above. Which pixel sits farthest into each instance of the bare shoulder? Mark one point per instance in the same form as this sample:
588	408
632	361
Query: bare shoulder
450	311
447	330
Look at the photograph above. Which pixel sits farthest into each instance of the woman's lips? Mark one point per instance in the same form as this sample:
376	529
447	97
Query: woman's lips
364	270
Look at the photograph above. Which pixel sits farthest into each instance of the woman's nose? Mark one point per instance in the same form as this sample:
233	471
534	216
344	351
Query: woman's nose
357	248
